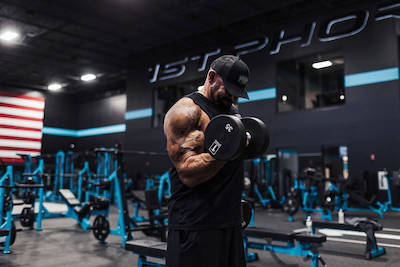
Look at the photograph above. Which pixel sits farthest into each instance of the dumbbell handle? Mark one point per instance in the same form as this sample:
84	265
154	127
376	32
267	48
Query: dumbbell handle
248	136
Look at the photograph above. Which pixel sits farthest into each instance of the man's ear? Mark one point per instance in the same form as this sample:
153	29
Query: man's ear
212	75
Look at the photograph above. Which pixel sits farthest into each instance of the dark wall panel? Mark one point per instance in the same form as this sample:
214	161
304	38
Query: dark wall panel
148	140
102	112
61	111
106	140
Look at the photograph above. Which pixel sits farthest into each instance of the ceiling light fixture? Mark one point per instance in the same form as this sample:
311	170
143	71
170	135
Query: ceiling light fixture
88	77
322	64
8	35
54	87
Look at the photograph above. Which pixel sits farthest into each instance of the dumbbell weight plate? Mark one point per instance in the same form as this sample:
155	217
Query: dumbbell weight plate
225	137
259	137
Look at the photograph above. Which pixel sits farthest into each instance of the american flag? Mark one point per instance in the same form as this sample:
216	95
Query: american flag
21	123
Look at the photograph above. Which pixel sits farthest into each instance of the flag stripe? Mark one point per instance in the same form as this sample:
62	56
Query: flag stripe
21	107
20	138
22	112
3	115
13	153
11	148
21	133
41	99
21	102
19	128
12	160
21	123
20	144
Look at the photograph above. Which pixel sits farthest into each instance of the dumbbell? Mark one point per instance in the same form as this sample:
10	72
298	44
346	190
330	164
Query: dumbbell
226	137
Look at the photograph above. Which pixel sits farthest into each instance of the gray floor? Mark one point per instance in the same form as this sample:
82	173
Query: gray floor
63	243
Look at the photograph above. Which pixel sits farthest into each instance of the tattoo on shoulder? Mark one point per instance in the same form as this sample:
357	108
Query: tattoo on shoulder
183	120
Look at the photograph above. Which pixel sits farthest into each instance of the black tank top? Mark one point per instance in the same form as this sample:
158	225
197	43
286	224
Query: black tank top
213	204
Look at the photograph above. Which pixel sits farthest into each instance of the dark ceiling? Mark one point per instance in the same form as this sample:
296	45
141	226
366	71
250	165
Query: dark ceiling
62	39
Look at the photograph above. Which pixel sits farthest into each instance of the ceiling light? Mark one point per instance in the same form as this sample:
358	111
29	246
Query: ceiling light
8	35
88	77
322	64
284	98
54	87
341	97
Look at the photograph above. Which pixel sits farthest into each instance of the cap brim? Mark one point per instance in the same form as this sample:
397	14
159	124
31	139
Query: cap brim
235	90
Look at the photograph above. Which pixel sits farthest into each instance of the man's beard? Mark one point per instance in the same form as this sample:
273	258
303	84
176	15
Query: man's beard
222	102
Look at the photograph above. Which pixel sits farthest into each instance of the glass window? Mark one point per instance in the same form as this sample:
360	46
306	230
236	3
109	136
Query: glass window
310	82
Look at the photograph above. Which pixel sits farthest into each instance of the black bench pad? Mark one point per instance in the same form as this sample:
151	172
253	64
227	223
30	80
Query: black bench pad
69	197
341	226
147	247
310	238
4	232
268	233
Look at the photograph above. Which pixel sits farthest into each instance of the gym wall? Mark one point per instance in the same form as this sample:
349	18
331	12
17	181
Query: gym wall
87	124
367	123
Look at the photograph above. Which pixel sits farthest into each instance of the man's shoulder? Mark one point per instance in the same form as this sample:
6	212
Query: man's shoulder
184	102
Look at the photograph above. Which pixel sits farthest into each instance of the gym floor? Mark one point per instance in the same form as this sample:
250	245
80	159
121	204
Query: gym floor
63	243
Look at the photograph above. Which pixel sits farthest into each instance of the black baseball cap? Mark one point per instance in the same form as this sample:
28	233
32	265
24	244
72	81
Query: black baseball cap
235	74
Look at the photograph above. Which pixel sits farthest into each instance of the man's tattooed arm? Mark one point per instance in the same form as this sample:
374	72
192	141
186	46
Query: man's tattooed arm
185	144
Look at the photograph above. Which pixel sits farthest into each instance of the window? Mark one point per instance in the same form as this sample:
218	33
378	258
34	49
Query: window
335	160
165	97
311	82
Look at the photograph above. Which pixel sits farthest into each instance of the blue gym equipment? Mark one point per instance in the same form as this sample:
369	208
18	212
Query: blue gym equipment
259	174
126	225
7	188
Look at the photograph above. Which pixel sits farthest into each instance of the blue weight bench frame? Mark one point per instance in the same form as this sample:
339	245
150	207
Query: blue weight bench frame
296	244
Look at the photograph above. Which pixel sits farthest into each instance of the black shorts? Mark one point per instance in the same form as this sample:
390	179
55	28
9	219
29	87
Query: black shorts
206	248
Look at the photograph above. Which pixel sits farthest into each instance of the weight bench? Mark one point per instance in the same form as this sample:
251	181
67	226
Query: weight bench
370	204
147	248
158	249
367	226
69	197
75	210
297	244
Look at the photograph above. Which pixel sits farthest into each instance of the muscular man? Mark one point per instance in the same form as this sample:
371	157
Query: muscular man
204	209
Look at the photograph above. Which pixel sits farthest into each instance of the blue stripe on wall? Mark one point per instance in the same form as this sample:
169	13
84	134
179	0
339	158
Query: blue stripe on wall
262	94
370	77
59	131
138	114
118	128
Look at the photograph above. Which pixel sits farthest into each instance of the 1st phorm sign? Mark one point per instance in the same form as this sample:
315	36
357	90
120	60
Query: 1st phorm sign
353	24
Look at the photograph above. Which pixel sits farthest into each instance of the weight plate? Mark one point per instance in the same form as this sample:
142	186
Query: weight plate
101	228
291	206
27	217
259	137
225	137
13	235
